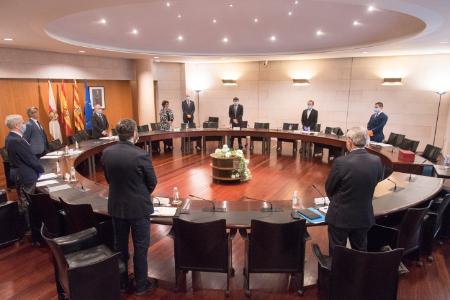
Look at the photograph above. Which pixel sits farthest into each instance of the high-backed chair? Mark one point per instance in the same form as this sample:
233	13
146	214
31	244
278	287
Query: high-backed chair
355	275
328	130
12	224
156	145
114	131
288	126
265	141
45	210
79	136
431	152
213	119
54	145
84	267
204	247
143	128
408	144
7	168
275	248
337	131
213	122
395	139
316	128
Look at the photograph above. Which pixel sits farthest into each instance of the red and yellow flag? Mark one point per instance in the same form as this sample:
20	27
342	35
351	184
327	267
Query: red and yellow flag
77	113
65	111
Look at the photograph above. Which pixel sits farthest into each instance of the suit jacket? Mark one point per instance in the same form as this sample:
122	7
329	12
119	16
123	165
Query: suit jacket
24	163
312	120
36	137
98	125
129	172
376	124
236	115
188	110
350	186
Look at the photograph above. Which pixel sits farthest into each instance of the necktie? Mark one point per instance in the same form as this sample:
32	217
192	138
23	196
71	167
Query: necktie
235	110
308	113
39	125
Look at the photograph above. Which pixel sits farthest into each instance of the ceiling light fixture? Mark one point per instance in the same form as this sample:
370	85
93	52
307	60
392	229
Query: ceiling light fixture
255	20
296	2
102	21
156	57
229	82
300	82
168	4
392	81
273	38
179	16
225	40
290	13
214	21
180	38
356	23
365	52
135	31
371	8
230	5
8	39
82	51
319	32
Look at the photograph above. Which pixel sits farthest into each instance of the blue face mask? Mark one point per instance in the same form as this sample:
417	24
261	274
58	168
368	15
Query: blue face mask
23	128
376	110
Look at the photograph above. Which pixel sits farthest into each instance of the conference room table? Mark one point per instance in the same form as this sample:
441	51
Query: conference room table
397	192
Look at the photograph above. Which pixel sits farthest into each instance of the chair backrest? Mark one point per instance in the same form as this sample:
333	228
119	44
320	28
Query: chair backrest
414	146
440	212
244	124
79	216
210	124
276	247
114	131
316	128
259	125
155	126
213	119
192	125
200	246
49	212
338	131
395	139
290	126
410	230
9	223
143	128
431	152
364	275
406	144
328	130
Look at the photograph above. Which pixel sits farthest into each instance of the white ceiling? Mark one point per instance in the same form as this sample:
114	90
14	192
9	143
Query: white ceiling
393	28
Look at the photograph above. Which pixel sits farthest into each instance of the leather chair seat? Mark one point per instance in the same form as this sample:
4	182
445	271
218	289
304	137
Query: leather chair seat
91	256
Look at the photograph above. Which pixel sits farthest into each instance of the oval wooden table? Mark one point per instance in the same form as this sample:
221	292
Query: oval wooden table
413	190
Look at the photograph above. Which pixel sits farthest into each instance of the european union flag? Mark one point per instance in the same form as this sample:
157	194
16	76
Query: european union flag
87	107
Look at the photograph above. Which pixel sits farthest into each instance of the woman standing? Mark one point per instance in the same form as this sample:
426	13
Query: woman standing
166	119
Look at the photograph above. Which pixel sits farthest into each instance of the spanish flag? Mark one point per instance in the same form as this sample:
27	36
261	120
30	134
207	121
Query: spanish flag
65	111
77	112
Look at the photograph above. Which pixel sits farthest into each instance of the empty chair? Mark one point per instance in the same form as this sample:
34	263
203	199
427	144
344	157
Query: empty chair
44	209
7	168
54	145
213	119
265	141
143	128
79	137
156	145
337	131
395	139
356	275
211	124
408	144
328	130
288	126
12	224
204	247
316	128
84	267
275	248
431	152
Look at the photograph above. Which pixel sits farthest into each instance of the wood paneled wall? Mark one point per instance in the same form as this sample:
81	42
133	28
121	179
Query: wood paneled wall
16	95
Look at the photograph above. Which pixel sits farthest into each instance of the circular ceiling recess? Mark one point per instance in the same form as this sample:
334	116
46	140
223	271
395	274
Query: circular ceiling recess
251	27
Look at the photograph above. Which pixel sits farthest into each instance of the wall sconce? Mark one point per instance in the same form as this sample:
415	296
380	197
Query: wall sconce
392	81
229	82
300	82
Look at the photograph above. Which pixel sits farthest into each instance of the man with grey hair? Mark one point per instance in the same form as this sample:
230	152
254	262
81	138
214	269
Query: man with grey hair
99	123
131	177
35	134
25	166
350	186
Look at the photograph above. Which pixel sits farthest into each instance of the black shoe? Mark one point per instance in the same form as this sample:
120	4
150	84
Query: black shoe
149	288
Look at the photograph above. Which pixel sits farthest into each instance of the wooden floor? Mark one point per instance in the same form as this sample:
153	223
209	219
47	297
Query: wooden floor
27	273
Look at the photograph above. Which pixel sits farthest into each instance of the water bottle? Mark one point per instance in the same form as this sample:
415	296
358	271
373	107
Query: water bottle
76	145
73	177
175	196
290	126
295	200
66	150
58	168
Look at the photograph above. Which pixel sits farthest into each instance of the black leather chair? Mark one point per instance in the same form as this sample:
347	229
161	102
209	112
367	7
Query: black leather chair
12	223
328	130
356	275
333	151
395	139
408	144
288	126
79	136
84	267
7	168
275	248
433	223
265	142
54	145
43	209
143	128
213	122
337	131
204	247
316	128
431	152
114	131
213	119
156	145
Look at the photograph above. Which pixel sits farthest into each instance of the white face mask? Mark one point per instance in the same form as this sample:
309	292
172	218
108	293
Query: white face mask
376	110
23	128
310	106
188	98
236	103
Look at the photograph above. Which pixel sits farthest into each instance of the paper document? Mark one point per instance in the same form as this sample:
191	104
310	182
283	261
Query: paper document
381	144
51	156
55	153
323	209
161	201
46	182
56	188
321	201
47	176
162	211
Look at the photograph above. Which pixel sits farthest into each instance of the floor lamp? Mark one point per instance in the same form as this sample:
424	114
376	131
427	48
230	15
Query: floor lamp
437	116
198	106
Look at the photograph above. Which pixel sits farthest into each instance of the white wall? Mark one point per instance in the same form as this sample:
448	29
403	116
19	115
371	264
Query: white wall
17	63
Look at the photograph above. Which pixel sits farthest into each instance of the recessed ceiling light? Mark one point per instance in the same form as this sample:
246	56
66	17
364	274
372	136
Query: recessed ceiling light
82	51
102	21
365	52
296	2
290	13
180	38
7	39
255	20
134	31
179	16
225	40
356	23
319	32
214	21
230	5
168	4
371	8
156	57
273	38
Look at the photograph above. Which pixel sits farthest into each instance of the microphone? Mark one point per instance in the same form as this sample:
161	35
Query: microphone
157	199
213	208
321	194
266	209
395	185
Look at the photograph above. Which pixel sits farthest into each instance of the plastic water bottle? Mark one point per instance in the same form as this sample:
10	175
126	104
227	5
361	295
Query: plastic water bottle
66	150
58	168
73	176
76	145
175	196
295	200
290	126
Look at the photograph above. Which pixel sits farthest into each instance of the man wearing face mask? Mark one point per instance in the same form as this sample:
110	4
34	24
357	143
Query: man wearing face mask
25	166
309	117
35	134
376	123
99	123
131	177
188	108
235	112
350	186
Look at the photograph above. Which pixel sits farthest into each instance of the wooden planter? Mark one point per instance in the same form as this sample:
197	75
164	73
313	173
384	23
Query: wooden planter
223	168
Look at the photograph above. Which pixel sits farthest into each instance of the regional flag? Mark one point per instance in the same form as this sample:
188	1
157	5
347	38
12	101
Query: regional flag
77	113
65	111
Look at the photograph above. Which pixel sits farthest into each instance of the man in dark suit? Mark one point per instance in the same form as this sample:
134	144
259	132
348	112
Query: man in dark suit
235	112
188	107
35	134
131	177
25	166
99	123
309	117
376	123
350	186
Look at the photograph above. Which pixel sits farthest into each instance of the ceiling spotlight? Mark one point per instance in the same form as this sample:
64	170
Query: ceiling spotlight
82	51
179	16
255	20
319	32
180	38
273	38
300	82
365	52
290	13
356	23
168	4
230	5
225	40
7	39
214	21
371	8
392	81
134	31
296	2
156	57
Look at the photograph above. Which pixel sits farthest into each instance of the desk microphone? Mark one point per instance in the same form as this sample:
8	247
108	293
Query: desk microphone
395	184
213	208
157	199
266	209
321	194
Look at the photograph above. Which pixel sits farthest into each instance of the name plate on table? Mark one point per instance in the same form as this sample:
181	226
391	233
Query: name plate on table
237	128
162	211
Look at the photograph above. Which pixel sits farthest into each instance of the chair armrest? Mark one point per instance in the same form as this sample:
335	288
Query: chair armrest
85	239
106	233
380	236
323	260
